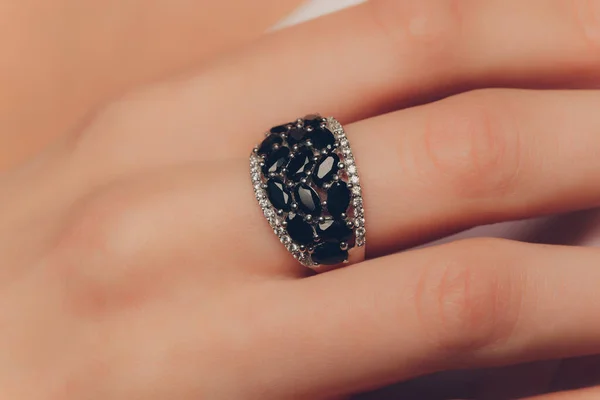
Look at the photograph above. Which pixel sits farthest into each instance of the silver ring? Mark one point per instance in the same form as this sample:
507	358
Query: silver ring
306	182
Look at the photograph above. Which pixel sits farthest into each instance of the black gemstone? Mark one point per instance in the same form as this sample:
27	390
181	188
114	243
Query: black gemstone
308	200
329	253
279	129
266	146
322	138
279	195
299	230
300	164
333	230
296	136
276	161
326	168
313	121
338	198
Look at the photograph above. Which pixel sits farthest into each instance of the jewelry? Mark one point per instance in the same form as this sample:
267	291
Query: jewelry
306	182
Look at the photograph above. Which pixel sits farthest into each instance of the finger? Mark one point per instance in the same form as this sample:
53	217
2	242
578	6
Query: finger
355	64
477	158
51	81
469	304
582	394
473	159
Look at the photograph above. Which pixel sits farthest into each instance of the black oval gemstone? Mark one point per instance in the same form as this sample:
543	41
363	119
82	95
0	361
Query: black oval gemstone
338	198
313	121
322	138
300	164
266	146
279	195
279	129
326	168
333	230
299	230
276	161
296	136
329	253
308	200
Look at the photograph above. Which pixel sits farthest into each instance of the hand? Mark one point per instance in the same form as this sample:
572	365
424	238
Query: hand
136	264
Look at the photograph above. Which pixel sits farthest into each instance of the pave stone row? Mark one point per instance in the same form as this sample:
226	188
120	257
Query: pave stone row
357	201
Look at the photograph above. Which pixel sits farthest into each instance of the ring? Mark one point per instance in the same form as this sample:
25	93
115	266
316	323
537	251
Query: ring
306	182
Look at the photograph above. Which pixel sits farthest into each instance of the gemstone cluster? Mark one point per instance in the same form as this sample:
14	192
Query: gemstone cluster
305	180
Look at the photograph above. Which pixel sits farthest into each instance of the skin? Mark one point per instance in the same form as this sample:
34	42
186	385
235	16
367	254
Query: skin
136	265
62	61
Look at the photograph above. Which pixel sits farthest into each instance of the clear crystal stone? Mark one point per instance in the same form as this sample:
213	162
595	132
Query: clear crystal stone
285	239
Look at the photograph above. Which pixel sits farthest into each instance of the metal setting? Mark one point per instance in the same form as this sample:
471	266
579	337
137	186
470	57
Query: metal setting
347	172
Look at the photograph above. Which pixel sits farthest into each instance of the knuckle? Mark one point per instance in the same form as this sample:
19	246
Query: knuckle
468	304
96	258
417	27
472	147
102	224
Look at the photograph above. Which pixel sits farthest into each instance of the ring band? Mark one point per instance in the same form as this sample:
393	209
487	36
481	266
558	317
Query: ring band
306	182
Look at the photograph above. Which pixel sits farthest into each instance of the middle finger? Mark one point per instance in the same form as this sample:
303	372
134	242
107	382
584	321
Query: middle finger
354	64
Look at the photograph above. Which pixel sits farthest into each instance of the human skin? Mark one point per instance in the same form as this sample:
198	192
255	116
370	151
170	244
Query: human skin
136	263
64	59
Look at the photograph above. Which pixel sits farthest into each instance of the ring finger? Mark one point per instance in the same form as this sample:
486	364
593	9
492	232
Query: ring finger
472	159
